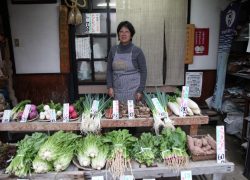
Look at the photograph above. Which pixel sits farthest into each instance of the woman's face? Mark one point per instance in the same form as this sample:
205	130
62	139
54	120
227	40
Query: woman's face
124	35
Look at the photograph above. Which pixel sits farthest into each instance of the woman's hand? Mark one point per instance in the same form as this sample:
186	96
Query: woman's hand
138	96
111	92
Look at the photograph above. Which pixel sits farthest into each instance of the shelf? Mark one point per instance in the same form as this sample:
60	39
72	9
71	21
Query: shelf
192	121
242	75
197	168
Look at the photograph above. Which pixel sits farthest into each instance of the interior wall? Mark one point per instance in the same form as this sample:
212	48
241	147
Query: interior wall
206	14
35	27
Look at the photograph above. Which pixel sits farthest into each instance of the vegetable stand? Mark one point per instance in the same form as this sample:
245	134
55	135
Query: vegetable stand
192	121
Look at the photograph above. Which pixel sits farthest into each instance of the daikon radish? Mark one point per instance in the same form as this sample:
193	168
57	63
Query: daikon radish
196	111
192	104
189	111
174	107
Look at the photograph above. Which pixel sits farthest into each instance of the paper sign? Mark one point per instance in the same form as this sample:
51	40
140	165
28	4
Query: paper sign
186	175
66	112
115	109
131	111
94	108
127	177
220	144
184	99
97	178
93	22
25	113
194	82
6	116
160	111
52	114
82	47
201	38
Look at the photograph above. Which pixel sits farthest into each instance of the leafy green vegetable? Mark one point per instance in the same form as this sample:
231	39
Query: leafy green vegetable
27	150
145	149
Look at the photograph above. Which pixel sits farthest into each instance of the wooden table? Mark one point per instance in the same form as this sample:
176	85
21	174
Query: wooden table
192	121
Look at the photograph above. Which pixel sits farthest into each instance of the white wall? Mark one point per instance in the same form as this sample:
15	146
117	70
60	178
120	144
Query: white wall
37	28
206	14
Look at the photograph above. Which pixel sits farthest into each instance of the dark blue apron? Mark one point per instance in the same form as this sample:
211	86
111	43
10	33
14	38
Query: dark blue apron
126	78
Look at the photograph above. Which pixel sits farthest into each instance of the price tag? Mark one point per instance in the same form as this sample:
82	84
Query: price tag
52	113
127	177
159	108
66	112
25	113
131	111
186	175
6	116
115	109
97	178
184	99
94	108
148	179
220	144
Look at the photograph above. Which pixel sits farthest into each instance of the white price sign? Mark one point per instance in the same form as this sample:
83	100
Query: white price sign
161	112
94	108
25	113
220	144
66	112
127	177
184	99
6	116
115	109
52	113
186	175
131	111
97	178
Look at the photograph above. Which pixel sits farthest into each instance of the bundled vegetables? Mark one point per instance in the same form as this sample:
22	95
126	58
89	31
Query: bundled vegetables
145	150
202	145
45	109
173	148
163	100
91	120
59	149
27	150
120	142
17	111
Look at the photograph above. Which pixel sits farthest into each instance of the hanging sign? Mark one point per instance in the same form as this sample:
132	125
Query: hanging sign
194	82
184	99
25	113
66	112
201	39
220	144
115	109
131	112
186	175
6	116
93	22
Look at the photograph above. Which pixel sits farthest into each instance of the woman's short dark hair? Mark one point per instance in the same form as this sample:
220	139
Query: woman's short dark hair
128	25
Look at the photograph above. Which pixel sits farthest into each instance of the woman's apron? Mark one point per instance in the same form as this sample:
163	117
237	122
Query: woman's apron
126	79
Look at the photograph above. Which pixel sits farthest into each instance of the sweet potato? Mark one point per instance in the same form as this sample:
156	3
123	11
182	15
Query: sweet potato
197	151
204	142
197	142
190	142
206	148
211	142
211	151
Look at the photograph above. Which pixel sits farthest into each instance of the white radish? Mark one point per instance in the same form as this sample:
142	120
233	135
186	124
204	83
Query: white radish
189	111
46	107
197	111
42	116
174	107
192	104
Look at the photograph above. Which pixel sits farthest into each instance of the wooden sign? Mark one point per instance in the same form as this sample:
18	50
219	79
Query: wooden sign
189	52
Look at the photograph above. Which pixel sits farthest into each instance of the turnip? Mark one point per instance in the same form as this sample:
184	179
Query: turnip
46	107
32	107
71	109
42	115
73	115
33	114
59	113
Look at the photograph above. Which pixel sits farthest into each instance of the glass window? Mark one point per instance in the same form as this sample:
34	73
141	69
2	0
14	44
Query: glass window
113	22
84	71
100	47
99	4
100	70
113	41
112	4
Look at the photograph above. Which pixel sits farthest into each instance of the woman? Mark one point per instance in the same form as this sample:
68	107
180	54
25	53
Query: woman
126	69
